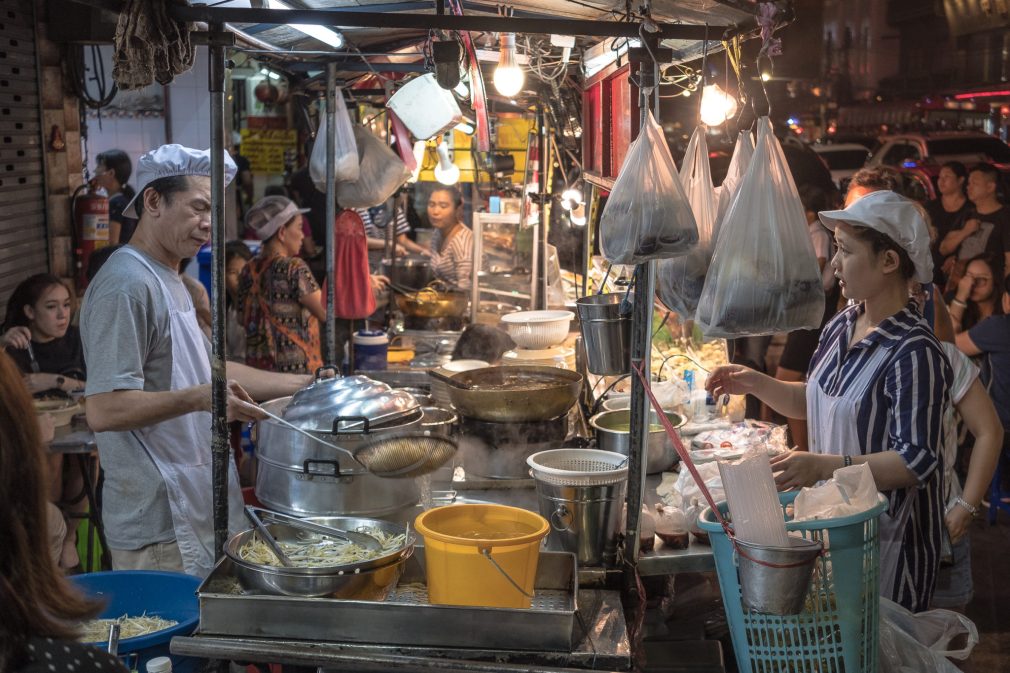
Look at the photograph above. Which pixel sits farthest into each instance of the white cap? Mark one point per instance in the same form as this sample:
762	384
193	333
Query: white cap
159	665
894	216
270	214
173	160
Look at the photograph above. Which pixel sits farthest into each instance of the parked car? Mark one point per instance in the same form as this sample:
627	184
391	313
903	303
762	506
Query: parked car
843	159
908	150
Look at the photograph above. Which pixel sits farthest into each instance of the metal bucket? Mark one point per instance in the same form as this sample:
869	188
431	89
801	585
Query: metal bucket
606	334
777	591
585	520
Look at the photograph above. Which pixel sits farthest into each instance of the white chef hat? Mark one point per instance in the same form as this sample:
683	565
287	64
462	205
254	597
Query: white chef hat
270	214
174	160
896	217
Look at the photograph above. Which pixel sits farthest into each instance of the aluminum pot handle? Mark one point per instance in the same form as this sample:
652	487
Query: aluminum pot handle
333	464
346	419
562	514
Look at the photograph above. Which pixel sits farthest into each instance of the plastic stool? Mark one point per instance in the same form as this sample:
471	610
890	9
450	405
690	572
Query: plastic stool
996	493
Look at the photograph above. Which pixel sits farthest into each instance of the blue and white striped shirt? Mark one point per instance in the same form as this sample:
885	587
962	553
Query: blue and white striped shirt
902	411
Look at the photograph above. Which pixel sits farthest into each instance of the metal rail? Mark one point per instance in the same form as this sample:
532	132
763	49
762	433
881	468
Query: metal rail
425	22
331	212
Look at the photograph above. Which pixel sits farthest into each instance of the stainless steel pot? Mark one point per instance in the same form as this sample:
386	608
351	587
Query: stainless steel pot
439	421
411	271
613	434
305	478
370	581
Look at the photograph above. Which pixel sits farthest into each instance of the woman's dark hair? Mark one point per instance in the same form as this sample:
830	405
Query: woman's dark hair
957	168
166	187
454	193
28	293
972	315
482	342
877	178
37	599
119	163
881	243
98	259
814	199
233	249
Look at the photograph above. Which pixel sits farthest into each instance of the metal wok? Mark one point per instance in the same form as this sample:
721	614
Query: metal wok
434	301
515	393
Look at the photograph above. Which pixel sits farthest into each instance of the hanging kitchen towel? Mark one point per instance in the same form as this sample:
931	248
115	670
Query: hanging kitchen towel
647	215
352	284
764	277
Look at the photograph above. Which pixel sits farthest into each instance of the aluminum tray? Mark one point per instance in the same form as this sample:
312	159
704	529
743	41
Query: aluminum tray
405	618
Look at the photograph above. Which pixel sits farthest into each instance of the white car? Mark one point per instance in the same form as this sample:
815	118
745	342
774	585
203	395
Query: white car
843	160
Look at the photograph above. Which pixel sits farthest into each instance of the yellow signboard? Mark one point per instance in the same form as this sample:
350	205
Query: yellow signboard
265	148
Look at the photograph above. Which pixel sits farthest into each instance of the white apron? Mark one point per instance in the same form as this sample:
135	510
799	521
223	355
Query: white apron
831	423
181	447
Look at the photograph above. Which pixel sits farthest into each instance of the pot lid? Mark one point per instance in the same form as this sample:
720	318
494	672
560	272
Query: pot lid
318	406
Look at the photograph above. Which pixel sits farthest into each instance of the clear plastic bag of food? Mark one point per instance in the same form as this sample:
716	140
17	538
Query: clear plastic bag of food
764	277
346	155
671	527
679	281
738	165
381	173
647	215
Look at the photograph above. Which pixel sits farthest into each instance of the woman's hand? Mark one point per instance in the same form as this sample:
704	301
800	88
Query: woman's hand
795	469
47	427
16	337
42	381
964	287
731	380
957	521
378	281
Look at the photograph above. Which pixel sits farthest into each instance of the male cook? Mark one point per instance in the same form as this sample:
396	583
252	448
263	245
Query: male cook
148	394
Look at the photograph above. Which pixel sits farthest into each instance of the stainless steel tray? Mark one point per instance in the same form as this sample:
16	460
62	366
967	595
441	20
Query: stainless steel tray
404	618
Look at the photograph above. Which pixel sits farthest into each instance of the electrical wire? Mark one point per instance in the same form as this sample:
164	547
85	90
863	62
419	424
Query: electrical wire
79	77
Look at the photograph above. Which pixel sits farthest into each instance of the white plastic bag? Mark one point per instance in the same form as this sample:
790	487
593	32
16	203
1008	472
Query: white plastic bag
738	165
382	173
911	643
647	215
346	167
764	277
851	490
679	281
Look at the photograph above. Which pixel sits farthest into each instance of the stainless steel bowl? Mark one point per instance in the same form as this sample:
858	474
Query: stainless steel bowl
613	434
366	580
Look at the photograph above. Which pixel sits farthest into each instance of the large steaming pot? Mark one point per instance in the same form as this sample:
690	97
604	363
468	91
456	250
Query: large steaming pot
305	478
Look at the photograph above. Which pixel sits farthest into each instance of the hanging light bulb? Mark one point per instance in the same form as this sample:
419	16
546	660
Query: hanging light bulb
716	105
508	76
570	198
446	172
419	150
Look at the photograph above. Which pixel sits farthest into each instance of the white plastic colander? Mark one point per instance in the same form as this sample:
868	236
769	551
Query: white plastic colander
578	467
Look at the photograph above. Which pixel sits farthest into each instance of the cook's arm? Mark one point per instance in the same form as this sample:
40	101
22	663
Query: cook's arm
786	397
124	410
263	385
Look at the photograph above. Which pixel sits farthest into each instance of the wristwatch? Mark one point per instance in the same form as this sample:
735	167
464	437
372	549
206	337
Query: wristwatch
846	461
60	381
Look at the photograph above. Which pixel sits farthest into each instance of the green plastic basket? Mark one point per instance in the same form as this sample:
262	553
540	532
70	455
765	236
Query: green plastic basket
837	630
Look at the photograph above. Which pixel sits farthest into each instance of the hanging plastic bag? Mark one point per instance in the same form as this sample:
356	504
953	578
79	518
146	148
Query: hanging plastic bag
764	277
910	643
647	215
679	281
382	173
738	165
346	155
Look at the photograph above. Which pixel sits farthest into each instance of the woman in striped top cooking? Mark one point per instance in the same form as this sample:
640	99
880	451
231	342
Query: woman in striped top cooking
452	244
876	389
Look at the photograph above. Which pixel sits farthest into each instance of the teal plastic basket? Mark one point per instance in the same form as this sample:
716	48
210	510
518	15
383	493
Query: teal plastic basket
837	630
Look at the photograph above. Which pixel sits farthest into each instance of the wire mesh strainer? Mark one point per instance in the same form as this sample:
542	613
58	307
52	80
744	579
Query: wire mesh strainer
578	467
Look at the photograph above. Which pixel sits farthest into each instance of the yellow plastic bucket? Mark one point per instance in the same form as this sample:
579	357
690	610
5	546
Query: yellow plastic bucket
483	555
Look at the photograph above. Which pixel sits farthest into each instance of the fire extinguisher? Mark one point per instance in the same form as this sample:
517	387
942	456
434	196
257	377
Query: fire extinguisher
90	208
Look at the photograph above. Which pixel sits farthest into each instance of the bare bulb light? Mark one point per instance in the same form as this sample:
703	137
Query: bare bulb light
508	76
716	105
446	172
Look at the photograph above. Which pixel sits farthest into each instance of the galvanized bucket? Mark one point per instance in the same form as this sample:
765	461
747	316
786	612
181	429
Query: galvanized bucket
606	333
776	580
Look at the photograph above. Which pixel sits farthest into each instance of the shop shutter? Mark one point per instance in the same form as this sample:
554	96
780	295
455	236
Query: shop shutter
23	249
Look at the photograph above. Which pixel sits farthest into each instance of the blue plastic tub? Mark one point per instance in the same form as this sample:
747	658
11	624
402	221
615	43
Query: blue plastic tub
158	594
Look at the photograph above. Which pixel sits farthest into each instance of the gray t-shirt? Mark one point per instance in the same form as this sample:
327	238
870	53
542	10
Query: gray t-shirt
128	346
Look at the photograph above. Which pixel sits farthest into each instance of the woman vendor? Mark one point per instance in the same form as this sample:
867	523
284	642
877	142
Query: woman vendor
279	301
876	389
452	244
